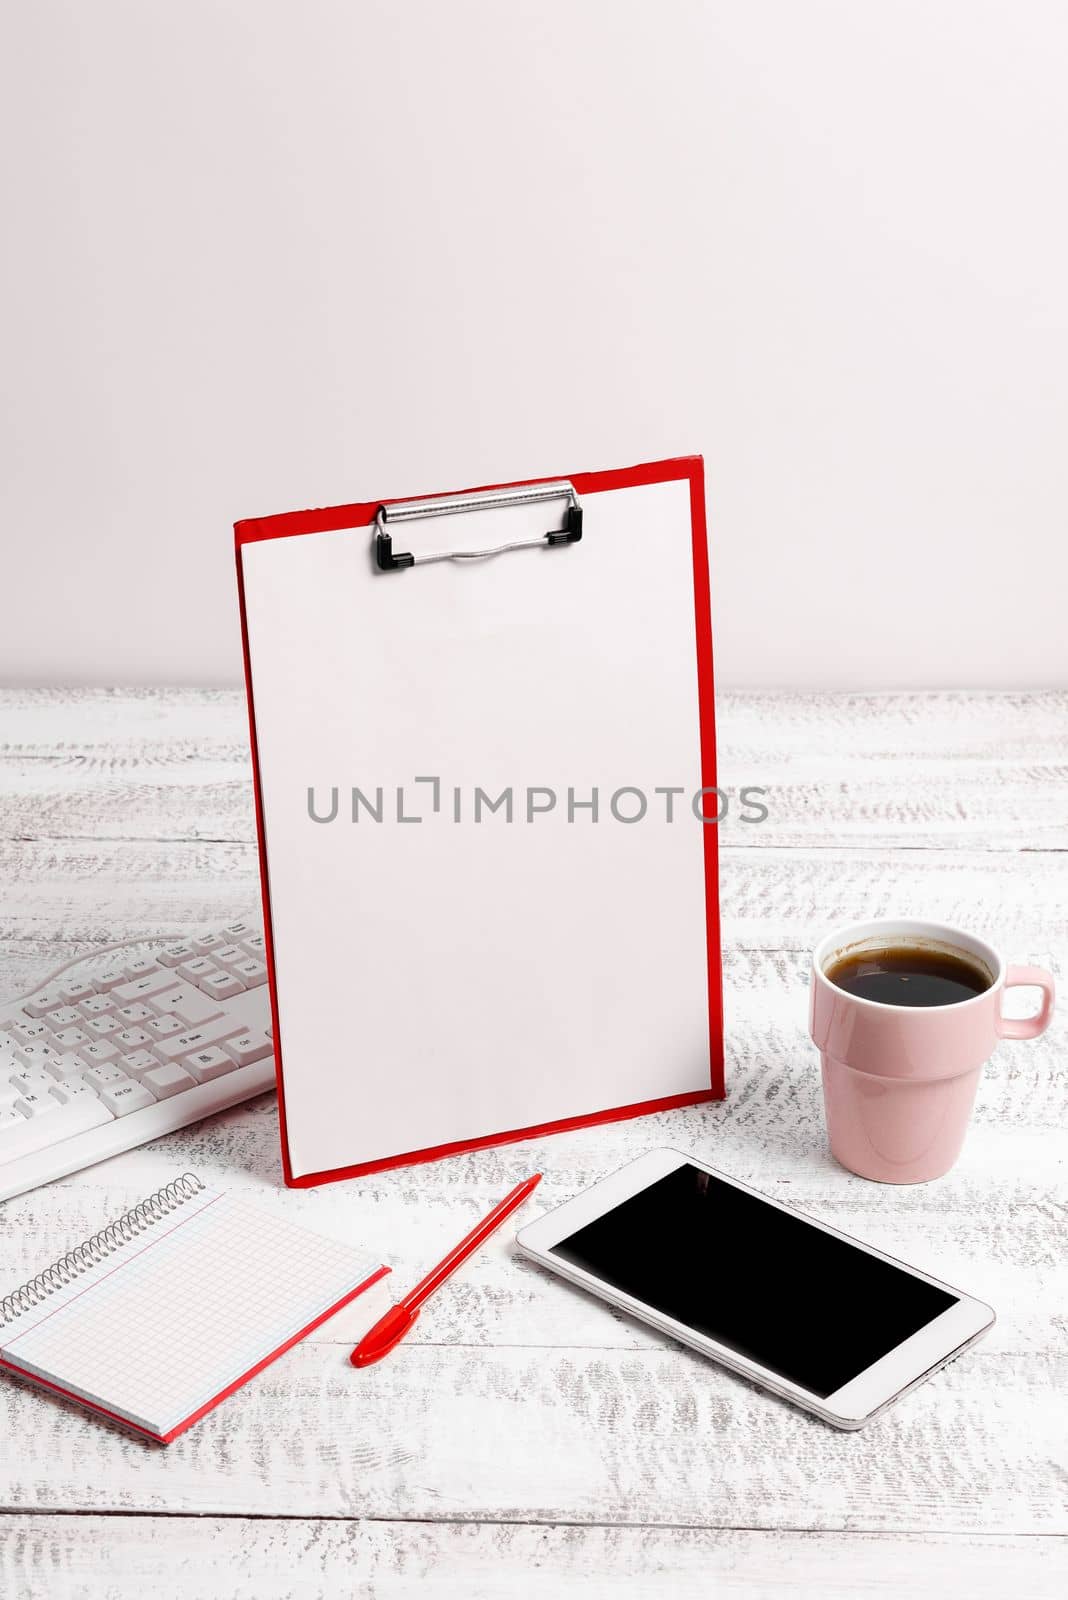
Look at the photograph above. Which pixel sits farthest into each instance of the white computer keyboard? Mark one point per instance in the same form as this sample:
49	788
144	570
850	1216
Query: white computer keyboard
159	1036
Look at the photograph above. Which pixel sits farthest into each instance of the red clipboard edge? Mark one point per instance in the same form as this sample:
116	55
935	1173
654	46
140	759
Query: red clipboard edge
438	1152
224	1394
290	524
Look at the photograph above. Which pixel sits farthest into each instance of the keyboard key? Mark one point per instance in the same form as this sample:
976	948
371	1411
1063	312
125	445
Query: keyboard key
191	1007
132	1039
227	954
222	986
208	941
39	1004
8	1093
36	1054
200	967
27	1032
162	1027
175	954
142	987
101	1027
104	1077
70	1038
98	1052
37	1103
140	965
67	1066
239	930
178	996
75	989
72	1091
208	1064
65	1017
127	1097
248	1047
173	997
167	1080
97	1005
106	981
138	1062
135	1013
251	972
183	1044
256	946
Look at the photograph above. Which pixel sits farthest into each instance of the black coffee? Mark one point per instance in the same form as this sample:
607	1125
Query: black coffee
905	977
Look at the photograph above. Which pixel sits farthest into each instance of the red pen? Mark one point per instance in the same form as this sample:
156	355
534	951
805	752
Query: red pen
389	1330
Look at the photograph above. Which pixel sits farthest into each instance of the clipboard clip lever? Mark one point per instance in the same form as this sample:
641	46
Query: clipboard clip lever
389	560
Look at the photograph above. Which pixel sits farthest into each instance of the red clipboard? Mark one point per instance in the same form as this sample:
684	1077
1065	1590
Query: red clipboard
358	521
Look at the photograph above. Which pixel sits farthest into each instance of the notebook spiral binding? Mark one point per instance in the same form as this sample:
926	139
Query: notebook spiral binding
92	1251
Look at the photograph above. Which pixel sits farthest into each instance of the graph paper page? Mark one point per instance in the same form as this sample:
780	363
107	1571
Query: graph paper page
177	1315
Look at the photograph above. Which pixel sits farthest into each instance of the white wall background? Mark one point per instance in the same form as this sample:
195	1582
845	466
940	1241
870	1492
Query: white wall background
261	254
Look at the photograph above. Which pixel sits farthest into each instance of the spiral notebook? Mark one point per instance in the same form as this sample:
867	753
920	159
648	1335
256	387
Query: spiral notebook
174	1305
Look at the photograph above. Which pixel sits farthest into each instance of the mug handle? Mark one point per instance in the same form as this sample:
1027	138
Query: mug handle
1027	1027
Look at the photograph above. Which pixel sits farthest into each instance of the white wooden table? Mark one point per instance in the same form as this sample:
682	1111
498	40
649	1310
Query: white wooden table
526	1440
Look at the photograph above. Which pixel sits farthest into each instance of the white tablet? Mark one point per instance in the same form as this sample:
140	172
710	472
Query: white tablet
820	1319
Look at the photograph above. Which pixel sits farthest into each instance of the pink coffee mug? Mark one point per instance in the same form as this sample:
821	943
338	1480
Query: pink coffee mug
899	1081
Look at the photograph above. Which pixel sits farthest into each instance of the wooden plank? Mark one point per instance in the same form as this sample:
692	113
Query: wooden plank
566	1435
935	771
771	898
950	724
172	1558
66	896
809	804
881	724
63	890
117	723
989	1227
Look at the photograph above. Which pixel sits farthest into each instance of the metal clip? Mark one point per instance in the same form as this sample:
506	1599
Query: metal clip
451	505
